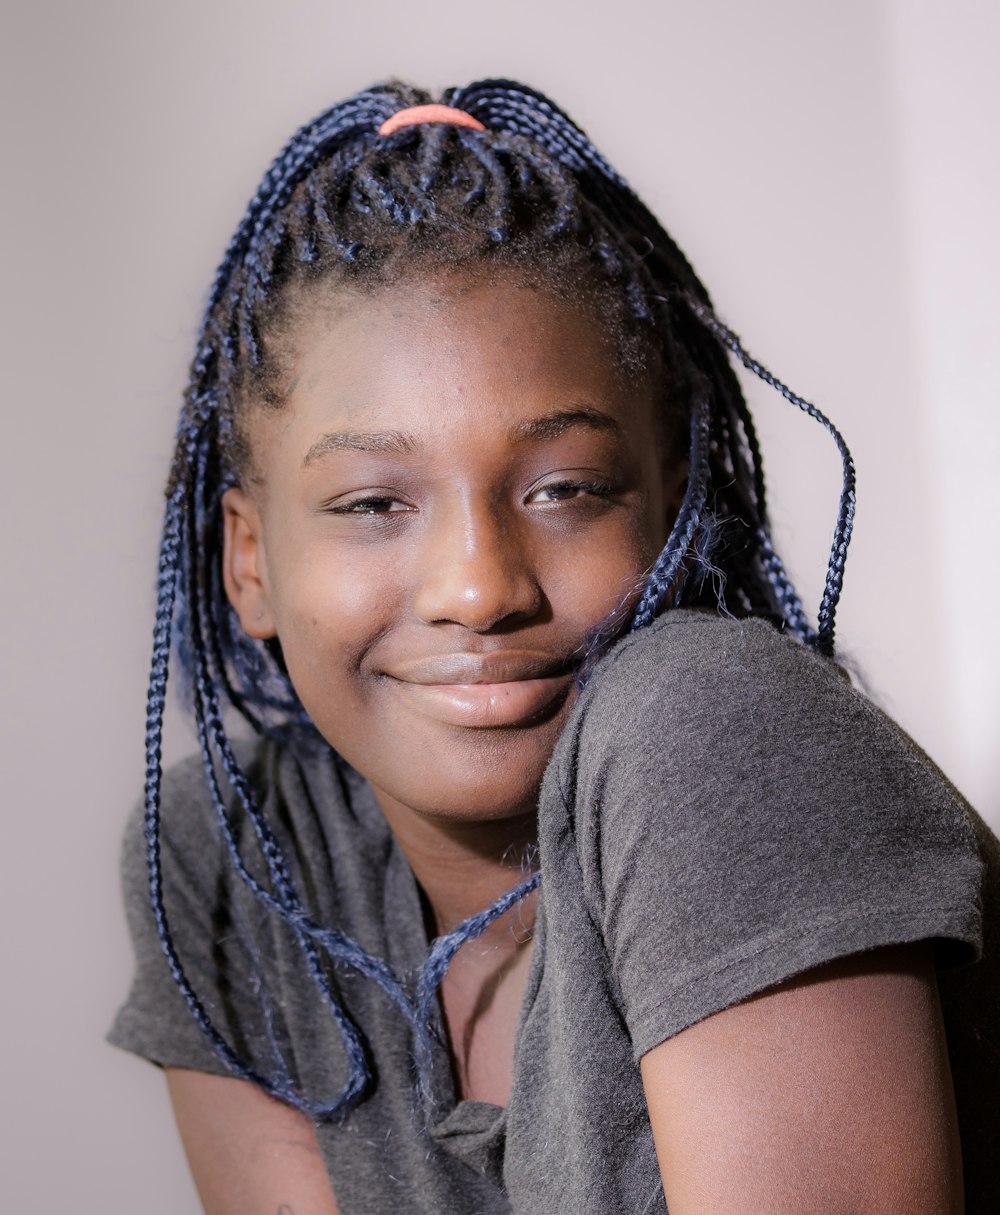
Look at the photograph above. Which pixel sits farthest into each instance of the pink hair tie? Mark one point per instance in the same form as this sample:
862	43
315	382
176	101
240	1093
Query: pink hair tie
415	114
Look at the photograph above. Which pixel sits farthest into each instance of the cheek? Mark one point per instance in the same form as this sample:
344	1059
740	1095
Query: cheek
327	611
588	585
332	606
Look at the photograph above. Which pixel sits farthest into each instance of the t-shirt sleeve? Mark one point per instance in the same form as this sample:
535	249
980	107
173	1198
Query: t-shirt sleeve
210	932
743	814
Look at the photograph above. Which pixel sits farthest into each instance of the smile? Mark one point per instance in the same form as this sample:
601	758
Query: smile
484	691
487	705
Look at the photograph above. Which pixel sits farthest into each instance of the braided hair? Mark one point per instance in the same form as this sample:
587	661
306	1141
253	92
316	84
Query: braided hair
342	204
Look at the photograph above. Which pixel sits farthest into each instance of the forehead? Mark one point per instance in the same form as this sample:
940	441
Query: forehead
456	324
452	357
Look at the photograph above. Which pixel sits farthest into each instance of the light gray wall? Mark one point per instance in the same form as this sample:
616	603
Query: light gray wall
831	170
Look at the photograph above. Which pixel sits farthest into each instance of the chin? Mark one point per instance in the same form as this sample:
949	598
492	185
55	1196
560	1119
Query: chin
486	776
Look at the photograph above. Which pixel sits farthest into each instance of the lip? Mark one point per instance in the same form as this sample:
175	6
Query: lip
498	666
484	691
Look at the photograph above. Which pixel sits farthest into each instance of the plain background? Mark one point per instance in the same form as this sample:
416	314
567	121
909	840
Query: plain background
831	170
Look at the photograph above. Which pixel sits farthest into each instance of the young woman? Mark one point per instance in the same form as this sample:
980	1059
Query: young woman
562	868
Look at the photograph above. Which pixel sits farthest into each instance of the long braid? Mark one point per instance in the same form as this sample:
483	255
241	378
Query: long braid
848	494
663	576
156	703
341	201
442	950
285	901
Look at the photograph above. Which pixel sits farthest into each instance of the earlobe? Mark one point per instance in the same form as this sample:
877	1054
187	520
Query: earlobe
244	569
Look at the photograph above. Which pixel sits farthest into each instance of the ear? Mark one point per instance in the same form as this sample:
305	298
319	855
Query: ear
244	569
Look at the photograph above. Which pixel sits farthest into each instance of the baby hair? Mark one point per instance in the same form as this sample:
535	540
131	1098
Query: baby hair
518	192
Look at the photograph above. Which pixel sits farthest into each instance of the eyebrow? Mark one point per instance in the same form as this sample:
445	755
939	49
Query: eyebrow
382	442
397	443
552	425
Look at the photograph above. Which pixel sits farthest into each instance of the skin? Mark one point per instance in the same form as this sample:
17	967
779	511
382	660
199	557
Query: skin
458	488
828	1093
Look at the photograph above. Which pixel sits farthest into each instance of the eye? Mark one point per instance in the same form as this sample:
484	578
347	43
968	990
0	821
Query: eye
568	489
370	504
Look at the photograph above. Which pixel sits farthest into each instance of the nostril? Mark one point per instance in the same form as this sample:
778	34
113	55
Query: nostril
477	593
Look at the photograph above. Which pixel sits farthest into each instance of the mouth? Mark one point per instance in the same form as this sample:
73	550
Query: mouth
485	691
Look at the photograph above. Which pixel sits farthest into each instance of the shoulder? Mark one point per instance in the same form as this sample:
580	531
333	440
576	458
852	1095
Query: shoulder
712	740
739	696
283	780
284	786
699	653
695	686
736	812
185	805
183	827
265	764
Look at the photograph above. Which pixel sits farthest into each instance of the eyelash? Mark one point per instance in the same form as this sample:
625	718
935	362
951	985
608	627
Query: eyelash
367	506
599	489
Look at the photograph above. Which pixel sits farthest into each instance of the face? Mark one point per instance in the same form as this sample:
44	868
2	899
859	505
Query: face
457	491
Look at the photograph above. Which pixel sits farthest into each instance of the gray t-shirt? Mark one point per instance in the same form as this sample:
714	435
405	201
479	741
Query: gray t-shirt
722	811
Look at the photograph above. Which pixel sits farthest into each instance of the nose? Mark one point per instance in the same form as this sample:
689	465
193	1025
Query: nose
476	571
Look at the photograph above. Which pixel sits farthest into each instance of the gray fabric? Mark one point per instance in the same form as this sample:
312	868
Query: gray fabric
722	812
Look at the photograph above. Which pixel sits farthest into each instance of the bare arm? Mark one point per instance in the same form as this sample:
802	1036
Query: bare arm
249	1154
830	1094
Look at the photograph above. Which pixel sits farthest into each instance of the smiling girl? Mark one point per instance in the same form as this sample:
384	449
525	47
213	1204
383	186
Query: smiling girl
561	868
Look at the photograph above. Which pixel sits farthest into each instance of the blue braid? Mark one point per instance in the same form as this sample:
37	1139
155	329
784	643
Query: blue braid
488	158
360	115
786	594
441	953
286	904
663	575
848	495
169	568
505	105
156	703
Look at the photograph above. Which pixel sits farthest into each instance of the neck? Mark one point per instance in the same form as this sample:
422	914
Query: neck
464	867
